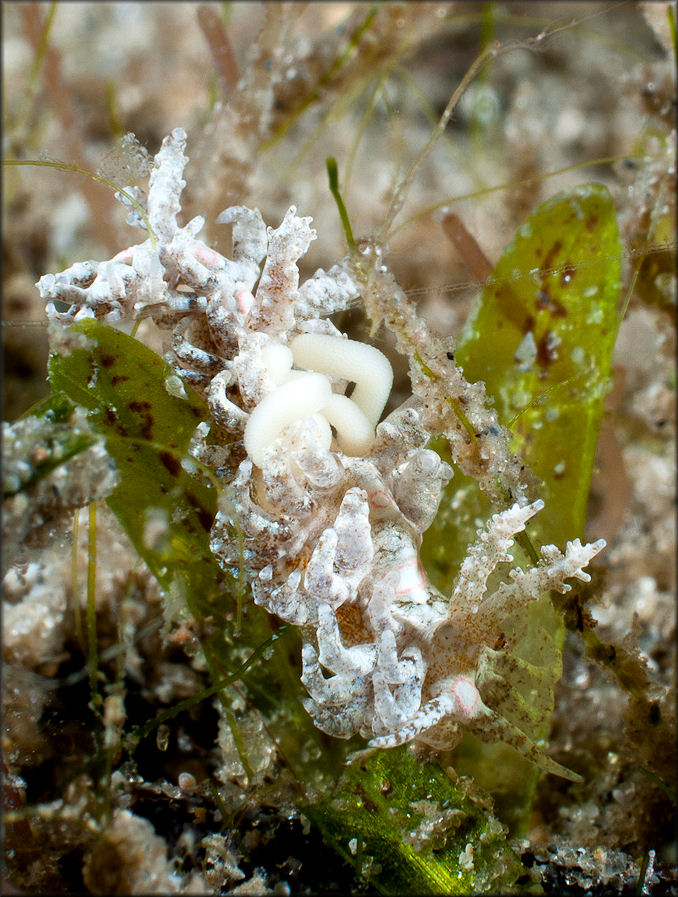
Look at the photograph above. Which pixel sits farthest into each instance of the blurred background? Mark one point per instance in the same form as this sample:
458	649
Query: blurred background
574	93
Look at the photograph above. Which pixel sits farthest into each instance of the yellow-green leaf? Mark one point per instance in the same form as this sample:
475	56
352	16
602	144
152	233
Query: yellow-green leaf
541	337
407	828
166	509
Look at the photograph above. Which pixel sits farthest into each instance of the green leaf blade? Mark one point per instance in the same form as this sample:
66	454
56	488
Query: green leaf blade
407	828
541	337
147	431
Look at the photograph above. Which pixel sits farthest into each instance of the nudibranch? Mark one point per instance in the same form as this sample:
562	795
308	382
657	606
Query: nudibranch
329	503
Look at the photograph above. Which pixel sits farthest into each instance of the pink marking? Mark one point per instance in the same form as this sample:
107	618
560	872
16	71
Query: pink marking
244	300
125	256
467	694
380	499
206	255
412	576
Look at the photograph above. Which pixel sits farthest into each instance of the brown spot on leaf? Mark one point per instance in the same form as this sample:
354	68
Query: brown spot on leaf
171	463
550	258
143	409
108	360
205	517
368	803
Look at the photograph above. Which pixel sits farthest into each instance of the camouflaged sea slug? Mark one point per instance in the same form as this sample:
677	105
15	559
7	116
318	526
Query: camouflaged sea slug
332	500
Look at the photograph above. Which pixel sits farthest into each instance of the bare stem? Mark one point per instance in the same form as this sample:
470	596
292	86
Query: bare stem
401	190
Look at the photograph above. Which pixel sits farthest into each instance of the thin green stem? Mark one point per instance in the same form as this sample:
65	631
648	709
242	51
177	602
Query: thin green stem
241	584
526	544
452	147
456	407
227	815
113	108
401	191
77	616
669	792
238	741
44	41
218	685
63	166
642	872
672	26
333	175
130	741
92	638
452	402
